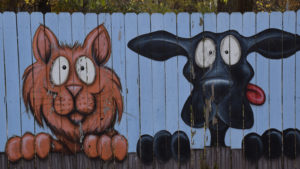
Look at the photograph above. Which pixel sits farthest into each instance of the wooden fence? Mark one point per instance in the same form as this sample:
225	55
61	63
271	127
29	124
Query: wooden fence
221	158
153	92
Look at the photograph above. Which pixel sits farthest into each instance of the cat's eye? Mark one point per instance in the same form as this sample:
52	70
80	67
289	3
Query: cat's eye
59	71
205	53
230	50
85	69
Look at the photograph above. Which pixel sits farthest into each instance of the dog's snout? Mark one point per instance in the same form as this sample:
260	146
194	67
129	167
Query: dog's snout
216	88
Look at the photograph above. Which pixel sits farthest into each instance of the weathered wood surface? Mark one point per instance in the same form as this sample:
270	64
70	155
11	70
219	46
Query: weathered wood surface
148	107
210	158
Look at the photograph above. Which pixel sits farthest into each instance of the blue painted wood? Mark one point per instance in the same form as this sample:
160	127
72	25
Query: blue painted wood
3	111
24	47
171	85
12	74
235	23
145	69
36	20
262	122
78	34
289	79
158	81
118	54
223	24
276	80
248	29
197	135
105	18
52	22
132	83
210	24
297	75
64	24
183	30
154	92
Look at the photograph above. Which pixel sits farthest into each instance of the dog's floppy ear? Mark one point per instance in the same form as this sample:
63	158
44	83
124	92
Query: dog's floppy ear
160	45
274	43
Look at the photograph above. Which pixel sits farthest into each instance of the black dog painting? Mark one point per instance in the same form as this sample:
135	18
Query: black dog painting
218	69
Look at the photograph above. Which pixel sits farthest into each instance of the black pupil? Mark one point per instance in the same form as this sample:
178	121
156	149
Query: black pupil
64	67
226	51
210	52
81	67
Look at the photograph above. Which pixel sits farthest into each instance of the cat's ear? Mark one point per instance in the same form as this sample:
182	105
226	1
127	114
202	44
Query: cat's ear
44	41
97	44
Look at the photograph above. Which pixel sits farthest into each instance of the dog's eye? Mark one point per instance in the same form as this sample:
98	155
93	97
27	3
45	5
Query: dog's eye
205	53
230	50
59	71
85	69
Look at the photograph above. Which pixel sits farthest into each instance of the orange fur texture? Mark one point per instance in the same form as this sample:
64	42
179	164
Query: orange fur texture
75	96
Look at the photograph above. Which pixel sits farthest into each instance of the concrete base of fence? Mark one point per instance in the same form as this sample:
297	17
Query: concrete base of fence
210	158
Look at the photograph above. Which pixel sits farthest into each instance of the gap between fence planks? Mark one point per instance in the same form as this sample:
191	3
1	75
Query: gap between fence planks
212	158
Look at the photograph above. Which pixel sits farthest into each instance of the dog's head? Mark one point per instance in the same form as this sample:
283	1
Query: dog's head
218	69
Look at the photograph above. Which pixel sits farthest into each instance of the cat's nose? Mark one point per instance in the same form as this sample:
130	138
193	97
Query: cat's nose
74	89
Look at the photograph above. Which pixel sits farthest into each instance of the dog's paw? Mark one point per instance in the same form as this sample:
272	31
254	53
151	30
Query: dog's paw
180	146
253	146
272	141
164	146
291	143
144	149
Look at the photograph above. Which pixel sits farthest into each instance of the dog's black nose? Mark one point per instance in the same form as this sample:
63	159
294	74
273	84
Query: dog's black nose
215	89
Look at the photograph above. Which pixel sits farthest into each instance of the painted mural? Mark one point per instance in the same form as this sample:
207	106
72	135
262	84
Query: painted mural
218	69
158	86
79	99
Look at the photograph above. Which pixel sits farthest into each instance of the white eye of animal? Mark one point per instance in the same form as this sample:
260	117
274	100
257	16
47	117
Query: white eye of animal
85	69
205	53
230	50
59	71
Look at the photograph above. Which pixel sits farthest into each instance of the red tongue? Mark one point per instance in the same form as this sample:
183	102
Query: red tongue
255	94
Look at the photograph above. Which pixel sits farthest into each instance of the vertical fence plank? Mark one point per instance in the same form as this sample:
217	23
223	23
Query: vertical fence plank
132	83
288	84
275	80
105	18
36	20
210	24
145	69
12	74
223	24
184	87
249	30
2	90
24	39
171	84
158	81
118	54
262	75
78	34
52	22
235	135
298	77
198	139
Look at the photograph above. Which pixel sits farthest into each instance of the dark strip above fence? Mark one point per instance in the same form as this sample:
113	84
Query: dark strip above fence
210	158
